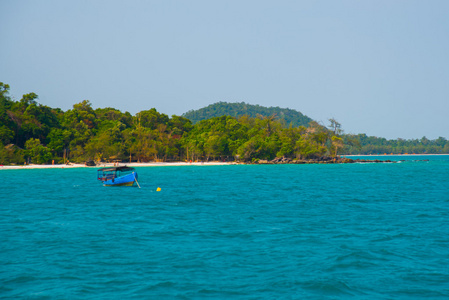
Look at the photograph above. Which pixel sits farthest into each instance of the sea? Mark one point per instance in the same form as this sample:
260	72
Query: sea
337	231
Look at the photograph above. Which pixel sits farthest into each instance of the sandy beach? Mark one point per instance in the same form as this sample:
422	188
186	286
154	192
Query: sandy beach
150	164
169	164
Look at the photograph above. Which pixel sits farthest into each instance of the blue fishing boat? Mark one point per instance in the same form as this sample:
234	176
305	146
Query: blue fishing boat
117	176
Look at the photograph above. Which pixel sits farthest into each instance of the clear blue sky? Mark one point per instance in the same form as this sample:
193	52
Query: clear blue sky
378	67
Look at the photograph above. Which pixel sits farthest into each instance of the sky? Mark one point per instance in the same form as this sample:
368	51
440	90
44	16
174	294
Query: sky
377	67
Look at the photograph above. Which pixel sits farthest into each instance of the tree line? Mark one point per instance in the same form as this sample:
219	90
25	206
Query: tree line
34	133
376	145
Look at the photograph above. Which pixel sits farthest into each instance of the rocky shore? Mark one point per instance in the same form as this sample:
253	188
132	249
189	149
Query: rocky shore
319	160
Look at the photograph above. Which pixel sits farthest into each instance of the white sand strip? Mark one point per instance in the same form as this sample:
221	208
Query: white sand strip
152	164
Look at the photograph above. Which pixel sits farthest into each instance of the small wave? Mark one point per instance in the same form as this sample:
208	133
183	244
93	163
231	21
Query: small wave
330	287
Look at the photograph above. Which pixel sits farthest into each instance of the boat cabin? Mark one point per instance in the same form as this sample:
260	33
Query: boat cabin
110	173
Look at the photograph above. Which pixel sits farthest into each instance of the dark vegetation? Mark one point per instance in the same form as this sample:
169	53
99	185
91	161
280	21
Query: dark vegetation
285	115
34	133
376	145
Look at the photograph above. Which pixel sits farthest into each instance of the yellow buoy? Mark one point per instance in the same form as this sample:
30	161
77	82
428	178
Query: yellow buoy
158	189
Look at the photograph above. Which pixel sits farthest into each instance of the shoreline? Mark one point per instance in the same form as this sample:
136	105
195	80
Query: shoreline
346	155
104	165
174	164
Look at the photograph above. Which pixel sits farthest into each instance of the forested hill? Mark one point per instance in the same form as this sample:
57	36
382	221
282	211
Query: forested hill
291	116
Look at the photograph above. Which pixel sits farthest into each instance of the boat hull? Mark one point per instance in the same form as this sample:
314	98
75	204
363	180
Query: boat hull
127	180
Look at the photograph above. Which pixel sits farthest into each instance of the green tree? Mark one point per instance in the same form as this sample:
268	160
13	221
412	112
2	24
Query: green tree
36	152
108	144
179	125
7	132
81	122
11	154
337	143
6	135
152	118
59	140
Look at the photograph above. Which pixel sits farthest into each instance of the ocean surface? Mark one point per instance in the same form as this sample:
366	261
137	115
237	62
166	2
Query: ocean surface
349	231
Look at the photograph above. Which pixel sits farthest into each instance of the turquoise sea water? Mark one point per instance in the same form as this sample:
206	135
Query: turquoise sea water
360	231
